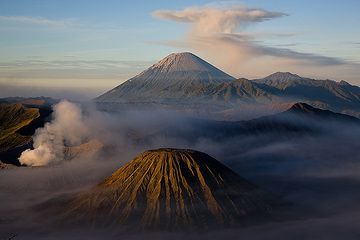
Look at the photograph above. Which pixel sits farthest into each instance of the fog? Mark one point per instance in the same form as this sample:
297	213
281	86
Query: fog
315	174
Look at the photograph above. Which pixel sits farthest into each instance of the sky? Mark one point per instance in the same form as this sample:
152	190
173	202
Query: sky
85	47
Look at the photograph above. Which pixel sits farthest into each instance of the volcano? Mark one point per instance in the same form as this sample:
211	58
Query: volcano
186	83
171	189
176	76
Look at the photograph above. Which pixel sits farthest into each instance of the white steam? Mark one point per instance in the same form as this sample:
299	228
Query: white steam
66	129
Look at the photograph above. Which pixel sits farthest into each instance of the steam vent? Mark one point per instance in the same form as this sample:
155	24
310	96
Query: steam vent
171	189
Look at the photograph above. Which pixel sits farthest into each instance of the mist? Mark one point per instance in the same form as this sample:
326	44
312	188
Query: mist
315	174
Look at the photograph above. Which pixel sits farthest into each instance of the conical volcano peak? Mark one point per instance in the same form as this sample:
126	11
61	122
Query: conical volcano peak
177	76
176	57
185	61
182	61
171	151
170	189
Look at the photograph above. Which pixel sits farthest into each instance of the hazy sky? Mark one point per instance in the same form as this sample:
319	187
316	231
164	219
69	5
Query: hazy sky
95	45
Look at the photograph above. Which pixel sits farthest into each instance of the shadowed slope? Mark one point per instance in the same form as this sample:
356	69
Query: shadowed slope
18	122
303	109
171	188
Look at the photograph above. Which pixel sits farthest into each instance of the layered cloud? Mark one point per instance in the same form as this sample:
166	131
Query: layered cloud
221	35
40	64
70	77
36	21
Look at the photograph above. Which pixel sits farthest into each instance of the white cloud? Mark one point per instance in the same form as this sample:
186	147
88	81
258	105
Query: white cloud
217	20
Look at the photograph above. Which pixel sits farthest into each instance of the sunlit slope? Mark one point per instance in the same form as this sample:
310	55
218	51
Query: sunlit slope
171	188
12	118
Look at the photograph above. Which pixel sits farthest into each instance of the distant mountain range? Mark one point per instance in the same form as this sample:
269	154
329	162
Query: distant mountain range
183	80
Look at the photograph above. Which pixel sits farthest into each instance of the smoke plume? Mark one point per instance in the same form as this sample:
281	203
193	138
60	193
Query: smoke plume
68	128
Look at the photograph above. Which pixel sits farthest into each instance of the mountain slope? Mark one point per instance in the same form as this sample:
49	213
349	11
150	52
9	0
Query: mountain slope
171	189
12	118
176	76
240	90
303	109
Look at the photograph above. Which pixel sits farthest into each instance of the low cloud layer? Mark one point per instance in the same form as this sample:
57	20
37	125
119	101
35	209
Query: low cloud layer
242	53
317	174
